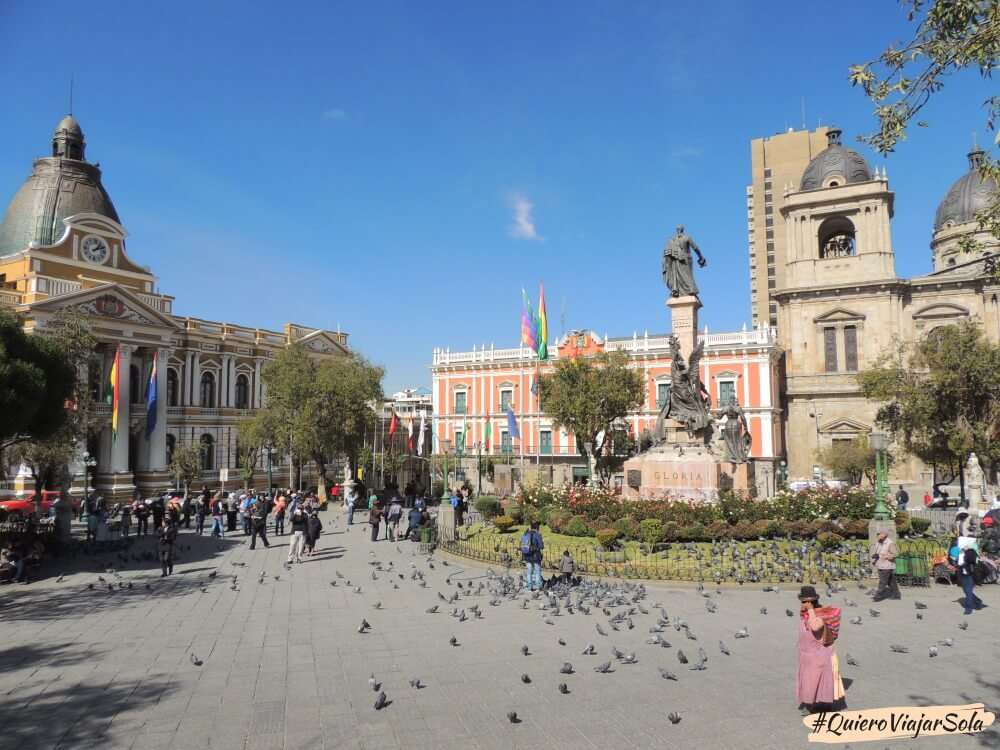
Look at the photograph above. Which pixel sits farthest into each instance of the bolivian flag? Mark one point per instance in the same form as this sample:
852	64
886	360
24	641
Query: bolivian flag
113	383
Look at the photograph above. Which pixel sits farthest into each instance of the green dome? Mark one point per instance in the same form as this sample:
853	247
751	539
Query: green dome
59	186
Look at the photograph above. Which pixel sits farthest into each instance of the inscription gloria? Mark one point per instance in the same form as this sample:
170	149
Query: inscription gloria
682	476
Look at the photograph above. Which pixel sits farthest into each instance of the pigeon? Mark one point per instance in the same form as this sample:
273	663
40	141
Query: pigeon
431	610
561	642
723	648
949	642
525	650
919	605
682	657
512	717
415	683
674	717
525	679
896	648
195	660
590	650
380	702
763	610
855	620
364	626
566	668
453	641
932	651
600	630
60	578
789	613
873	612
920	616
667	674
850	660
743	633
963	625
377	605
563	688
604	668
372	682
630	658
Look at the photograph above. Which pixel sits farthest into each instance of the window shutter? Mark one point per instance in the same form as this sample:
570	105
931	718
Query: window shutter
851	348
830	348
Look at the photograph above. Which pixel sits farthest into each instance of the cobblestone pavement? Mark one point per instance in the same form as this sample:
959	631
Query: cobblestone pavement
285	668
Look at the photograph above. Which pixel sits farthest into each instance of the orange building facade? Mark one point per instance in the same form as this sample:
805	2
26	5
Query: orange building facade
473	388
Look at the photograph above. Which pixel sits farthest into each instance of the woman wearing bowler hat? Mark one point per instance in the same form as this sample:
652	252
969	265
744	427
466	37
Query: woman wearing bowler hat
818	682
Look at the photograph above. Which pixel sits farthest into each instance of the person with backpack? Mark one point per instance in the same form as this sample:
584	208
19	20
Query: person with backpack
967	560
393	518
258	521
818	682
168	535
314	526
531	552
298	524
141	512
218	517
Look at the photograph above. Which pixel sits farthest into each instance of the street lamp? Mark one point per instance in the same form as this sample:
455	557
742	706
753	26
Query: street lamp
269	449
782	473
879	442
89	462
444	490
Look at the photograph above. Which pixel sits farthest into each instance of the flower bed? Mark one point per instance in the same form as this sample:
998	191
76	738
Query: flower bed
580	511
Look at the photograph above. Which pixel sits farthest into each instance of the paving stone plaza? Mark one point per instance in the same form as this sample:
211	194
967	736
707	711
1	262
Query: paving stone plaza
283	666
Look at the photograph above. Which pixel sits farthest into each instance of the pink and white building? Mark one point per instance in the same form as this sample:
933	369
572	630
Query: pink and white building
473	388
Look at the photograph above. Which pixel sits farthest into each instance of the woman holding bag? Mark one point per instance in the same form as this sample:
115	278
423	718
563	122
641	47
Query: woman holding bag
818	682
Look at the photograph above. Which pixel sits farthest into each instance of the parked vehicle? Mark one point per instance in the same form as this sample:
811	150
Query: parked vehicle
22	507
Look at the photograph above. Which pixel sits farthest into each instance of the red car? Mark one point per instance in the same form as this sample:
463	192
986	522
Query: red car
22	507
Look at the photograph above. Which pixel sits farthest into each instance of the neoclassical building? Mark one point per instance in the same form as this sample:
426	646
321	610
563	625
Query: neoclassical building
842	305
62	246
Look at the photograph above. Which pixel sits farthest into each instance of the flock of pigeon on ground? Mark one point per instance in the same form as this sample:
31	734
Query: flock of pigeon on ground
614	606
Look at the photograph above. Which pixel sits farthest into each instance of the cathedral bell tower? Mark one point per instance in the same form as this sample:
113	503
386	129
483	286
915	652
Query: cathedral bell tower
837	221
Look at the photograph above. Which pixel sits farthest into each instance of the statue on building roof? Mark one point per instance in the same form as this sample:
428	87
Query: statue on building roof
678	264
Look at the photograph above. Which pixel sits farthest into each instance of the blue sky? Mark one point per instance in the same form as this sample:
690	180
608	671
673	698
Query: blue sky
403	169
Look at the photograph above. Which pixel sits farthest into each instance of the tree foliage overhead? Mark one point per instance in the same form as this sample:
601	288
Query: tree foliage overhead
185	464
941	396
951	36
588	394
316	409
37	378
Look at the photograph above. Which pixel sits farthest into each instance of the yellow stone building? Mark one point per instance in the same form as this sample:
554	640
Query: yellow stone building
841	304
62	246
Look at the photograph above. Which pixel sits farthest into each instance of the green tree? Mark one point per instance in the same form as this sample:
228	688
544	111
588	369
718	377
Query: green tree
255	434
852	460
320	409
940	396
36	381
185	465
70	344
950	36
588	394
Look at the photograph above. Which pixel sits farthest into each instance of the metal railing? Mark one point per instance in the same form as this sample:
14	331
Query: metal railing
680	561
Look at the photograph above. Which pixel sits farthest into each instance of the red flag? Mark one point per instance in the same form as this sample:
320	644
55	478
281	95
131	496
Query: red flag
394	424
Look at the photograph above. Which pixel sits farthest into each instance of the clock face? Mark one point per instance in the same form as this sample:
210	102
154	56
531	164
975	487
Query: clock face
94	249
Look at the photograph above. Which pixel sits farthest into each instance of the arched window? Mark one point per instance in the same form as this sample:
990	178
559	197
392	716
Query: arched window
242	392
207	453
134	386
836	238
208	390
171	444
172	387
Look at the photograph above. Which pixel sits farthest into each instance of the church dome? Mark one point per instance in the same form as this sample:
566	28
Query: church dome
59	186
969	195
835	165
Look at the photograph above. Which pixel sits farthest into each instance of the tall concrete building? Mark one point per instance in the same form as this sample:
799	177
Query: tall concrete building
776	162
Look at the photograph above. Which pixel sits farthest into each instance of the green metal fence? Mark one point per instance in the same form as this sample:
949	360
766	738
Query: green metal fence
777	561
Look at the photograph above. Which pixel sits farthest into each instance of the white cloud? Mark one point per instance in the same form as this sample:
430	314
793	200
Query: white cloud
336	114
685	152
523	227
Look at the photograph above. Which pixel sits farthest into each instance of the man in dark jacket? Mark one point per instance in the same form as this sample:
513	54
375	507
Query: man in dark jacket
967	560
415	520
258	522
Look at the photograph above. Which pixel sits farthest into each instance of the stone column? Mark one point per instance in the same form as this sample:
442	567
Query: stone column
227	381
186	381
196	379
255	388
119	447
684	321
232	382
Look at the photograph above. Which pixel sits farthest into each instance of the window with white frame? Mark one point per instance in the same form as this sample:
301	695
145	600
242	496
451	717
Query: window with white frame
506	398
460	402
727	390
662	393
505	443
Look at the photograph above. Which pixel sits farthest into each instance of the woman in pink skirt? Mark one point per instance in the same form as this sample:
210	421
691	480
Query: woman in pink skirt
819	682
